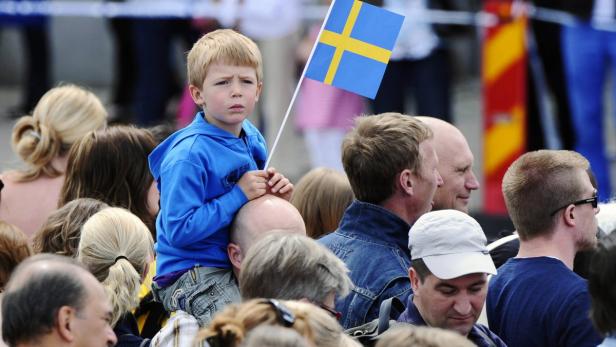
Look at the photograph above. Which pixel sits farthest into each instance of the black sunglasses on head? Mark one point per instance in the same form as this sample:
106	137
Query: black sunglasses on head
594	201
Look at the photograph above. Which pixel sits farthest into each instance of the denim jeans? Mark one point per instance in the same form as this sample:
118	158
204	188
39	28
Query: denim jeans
587	54
201	292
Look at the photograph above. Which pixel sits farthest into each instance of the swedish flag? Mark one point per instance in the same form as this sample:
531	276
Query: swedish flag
355	46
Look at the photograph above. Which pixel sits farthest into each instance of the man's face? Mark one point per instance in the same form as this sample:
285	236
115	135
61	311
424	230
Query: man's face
93	321
587	232
450	304
456	169
428	178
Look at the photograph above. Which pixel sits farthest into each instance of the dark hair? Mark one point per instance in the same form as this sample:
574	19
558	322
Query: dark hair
61	231
30	308
421	269
111	165
602	286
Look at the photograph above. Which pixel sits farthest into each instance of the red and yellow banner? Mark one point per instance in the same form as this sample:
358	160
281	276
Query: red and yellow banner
504	100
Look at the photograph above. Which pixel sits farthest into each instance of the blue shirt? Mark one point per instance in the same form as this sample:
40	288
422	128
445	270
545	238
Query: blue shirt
479	334
372	242
196	170
540	302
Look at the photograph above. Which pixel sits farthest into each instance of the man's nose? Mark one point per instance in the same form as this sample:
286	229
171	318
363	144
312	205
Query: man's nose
471	182
439	179
462	306
112	340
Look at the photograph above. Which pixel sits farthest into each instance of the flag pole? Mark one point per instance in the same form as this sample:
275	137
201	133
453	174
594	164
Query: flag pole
299	83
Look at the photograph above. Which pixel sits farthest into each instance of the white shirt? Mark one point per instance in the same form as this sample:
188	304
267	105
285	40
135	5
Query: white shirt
417	39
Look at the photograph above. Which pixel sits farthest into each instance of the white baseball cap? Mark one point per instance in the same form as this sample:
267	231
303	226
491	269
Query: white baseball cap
451	244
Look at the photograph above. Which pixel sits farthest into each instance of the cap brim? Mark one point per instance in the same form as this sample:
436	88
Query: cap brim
450	266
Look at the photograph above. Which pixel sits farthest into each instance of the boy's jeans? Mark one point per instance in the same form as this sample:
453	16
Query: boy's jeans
201	292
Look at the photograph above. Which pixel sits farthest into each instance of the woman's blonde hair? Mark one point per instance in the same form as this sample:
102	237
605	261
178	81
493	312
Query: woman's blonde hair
230	327
116	247
321	196
62	116
422	336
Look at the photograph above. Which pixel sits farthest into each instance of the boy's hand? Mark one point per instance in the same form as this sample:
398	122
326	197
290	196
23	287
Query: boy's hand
253	184
279	185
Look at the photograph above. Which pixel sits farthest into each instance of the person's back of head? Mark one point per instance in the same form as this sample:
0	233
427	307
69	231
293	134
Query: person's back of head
51	295
14	248
321	196
61	232
421	336
116	247
537	185
602	286
224	46
377	149
62	116
230	327
274	336
293	267
111	165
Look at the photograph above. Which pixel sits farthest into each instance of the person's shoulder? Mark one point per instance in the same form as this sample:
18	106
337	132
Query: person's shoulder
488	337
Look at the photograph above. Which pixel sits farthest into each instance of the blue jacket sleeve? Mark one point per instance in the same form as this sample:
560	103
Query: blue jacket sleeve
187	216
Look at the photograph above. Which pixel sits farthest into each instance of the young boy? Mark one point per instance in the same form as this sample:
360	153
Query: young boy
206	172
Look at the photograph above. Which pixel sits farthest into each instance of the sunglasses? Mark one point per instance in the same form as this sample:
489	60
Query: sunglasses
331	311
594	201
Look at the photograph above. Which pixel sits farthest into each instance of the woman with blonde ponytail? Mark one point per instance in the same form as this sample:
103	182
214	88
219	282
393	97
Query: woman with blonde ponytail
116	246
42	140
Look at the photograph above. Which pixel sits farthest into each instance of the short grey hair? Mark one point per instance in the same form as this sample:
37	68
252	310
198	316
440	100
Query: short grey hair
292	267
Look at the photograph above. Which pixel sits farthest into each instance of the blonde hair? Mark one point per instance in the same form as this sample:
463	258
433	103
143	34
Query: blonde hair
274	336
116	246
62	116
422	336
222	46
230	327
321	196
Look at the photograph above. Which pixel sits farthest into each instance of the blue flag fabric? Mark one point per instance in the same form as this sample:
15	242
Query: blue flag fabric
354	47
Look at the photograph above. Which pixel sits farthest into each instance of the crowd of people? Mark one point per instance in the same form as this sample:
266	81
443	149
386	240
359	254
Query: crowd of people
127	236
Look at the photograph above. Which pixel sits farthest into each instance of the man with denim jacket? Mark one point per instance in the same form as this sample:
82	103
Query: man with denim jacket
392	167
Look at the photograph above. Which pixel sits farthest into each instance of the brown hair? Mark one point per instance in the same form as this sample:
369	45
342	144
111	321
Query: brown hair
321	196
62	116
378	149
111	165
222	46
61	232
14	248
538	183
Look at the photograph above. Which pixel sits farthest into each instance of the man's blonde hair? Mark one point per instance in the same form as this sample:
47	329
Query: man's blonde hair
537	184
222	46
378	149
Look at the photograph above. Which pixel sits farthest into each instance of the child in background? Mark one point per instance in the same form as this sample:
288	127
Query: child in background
206	172
324	113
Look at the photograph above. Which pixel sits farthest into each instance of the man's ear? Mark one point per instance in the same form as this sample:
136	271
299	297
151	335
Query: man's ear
234	252
195	93
65	323
568	216
406	181
414	277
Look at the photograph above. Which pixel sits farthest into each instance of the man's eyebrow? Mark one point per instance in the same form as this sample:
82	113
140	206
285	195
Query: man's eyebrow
445	286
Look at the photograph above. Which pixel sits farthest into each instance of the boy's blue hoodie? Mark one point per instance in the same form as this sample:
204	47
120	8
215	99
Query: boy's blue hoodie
196	170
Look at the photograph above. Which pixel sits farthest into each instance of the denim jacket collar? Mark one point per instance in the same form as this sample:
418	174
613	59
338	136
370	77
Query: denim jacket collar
375	223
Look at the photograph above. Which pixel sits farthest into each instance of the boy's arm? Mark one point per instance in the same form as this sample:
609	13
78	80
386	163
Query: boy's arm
186	215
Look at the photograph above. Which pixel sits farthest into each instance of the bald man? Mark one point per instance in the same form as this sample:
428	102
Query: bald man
53	301
256	219
455	166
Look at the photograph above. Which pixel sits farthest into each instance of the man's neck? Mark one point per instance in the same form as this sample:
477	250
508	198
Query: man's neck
558	245
397	207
